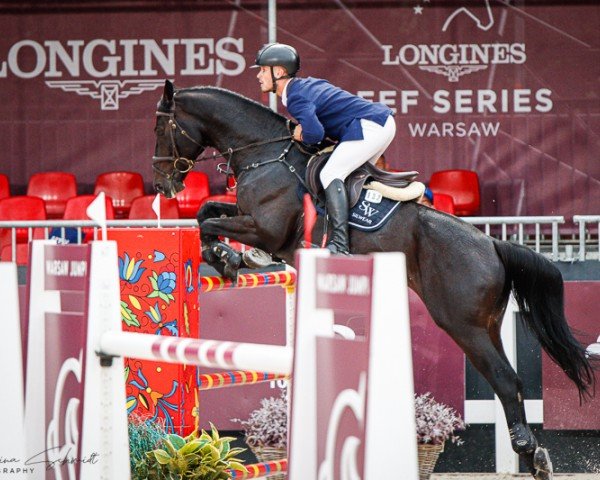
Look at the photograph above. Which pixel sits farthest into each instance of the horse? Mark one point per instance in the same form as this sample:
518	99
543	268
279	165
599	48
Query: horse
463	276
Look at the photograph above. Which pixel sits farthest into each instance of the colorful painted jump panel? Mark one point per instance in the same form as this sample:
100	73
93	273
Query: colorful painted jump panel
158	272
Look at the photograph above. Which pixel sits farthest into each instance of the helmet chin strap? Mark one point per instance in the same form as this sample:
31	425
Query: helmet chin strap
274	80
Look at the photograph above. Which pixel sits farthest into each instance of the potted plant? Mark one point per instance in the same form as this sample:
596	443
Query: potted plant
144	435
265	430
436	423
201	457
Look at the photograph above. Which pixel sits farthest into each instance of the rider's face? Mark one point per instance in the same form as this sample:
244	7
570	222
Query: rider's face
264	79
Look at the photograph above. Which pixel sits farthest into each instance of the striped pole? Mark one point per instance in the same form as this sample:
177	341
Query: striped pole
211	381
261	470
205	353
284	278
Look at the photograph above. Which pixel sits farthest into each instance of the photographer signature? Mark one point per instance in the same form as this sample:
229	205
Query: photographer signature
64	458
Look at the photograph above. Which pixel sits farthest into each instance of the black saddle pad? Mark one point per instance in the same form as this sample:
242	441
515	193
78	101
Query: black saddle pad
371	212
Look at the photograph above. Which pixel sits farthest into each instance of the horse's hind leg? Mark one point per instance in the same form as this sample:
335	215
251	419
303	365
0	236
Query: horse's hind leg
484	350
538	460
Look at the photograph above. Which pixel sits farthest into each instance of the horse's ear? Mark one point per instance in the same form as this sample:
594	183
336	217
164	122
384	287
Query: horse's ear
167	97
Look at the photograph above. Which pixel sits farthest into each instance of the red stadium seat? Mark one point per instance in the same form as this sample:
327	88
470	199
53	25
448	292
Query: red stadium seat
20	207
461	185
196	189
22	253
76	207
122	187
4	186
55	188
444	203
141	208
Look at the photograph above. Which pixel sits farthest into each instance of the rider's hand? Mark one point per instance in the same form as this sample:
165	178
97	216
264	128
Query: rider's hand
298	133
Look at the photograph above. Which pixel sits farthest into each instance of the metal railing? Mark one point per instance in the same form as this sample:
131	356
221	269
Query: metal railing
540	233
47	225
585	233
518	224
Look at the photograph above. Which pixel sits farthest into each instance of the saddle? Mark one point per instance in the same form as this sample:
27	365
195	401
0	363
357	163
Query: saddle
389	184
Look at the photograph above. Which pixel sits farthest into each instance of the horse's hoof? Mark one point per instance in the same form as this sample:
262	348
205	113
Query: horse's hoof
542	464
257	258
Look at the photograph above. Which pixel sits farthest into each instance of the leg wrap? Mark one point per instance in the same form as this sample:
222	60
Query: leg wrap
522	439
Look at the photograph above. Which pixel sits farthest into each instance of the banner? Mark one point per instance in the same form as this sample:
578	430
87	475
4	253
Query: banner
509	91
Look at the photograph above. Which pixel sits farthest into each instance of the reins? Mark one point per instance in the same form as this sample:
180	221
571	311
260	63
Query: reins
184	165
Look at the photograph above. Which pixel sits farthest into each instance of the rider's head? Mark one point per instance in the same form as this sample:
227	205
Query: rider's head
277	61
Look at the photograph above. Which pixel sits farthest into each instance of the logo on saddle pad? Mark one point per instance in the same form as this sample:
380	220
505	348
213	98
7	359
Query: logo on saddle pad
372	211
365	206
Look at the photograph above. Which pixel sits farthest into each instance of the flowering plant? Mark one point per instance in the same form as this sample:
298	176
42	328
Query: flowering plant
436	422
267	426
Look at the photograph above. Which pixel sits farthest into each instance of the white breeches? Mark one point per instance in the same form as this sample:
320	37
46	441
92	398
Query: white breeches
350	155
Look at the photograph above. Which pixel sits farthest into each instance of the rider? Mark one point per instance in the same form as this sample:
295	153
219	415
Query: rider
363	129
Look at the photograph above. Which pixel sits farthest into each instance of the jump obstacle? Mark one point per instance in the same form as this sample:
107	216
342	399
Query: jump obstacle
95	386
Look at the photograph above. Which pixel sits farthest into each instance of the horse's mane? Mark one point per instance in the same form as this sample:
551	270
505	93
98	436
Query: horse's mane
253	104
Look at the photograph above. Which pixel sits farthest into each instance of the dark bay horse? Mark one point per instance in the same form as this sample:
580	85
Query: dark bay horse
463	276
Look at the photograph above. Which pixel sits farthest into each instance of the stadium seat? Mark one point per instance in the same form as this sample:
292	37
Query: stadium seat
141	208
461	185
444	203
196	189
20	207
122	187
55	188
22	253
4	186
76	207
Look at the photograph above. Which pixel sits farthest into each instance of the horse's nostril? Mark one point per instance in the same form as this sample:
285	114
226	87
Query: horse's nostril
158	188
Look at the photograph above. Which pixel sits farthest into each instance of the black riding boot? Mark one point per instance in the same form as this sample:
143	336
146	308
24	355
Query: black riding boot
337	208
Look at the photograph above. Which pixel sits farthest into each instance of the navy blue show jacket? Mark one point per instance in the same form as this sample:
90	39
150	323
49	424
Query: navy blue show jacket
325	110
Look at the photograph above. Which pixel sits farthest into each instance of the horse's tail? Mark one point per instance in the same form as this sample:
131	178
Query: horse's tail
538	288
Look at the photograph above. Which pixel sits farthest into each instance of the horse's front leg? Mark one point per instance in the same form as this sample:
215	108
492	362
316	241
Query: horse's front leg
209	241
221	219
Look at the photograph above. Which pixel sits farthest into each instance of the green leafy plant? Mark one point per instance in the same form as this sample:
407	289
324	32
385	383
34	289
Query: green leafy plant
201	457
144	436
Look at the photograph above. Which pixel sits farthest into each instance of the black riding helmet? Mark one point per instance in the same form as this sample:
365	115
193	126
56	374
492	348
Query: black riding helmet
278	54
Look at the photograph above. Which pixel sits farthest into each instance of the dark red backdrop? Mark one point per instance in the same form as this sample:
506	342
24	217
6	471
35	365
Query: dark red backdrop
540	155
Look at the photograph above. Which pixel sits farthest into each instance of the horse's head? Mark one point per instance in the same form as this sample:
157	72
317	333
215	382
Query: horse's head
178	144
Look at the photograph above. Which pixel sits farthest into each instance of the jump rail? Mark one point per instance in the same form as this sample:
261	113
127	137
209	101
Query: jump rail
249	280
211	381
261	470
206	353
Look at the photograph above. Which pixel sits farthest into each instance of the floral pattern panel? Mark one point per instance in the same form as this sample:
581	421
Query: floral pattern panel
158	270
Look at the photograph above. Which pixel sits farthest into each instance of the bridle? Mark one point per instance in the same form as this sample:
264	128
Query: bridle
180	164
184	165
